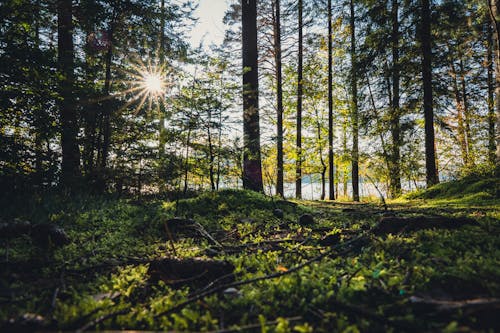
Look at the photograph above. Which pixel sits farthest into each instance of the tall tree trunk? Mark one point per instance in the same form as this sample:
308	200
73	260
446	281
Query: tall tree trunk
354	108
395	172
461	135
331	162
467	115
108	105
252	165
425	40
320	153
70	168
298	162
161	55
495	18
491	100
279	98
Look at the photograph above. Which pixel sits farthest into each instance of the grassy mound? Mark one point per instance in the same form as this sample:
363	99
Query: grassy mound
470	189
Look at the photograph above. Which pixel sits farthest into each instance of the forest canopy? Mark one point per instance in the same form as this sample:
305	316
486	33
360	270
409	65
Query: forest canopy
108	96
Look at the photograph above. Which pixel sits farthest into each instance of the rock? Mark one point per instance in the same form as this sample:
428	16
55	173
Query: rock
329	240
393	225
231	292
278	213
178	272
306	219
47	235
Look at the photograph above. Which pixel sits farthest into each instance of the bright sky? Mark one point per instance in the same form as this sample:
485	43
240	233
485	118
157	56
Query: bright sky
209	29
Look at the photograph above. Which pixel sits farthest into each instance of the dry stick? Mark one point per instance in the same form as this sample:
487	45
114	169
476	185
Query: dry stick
170	238
378	190
261	278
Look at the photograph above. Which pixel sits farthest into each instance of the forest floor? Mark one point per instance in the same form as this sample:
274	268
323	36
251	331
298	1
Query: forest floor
239	261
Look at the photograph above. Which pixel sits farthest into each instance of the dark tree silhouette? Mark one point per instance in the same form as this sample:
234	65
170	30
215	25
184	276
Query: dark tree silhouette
252	169
70	168
425	40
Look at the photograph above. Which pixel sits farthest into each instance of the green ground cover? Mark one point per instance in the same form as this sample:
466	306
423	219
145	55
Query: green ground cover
331	275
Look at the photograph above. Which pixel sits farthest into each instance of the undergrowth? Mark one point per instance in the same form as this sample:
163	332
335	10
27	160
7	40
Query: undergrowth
372	287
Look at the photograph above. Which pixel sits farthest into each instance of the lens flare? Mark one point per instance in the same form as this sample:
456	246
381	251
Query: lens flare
153	83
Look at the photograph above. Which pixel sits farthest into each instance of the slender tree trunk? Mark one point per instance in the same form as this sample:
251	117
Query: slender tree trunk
491	98
70	169
461	135
354	108
395	172
320	153
495	18
379	125
331	162
161	55
186	162
467	115
425	41
219	135
211	153
252	167
298	163
279	98
108	105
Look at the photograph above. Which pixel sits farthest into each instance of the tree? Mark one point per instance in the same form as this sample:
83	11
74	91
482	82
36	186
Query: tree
426	49
494	6
331	162
252	168
298	162
354	107
279	98
395	172
70	168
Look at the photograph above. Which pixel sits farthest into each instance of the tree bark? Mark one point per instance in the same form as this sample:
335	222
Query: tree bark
425	40
279	98
70	168
495	18
395	172
461	134
298	162
491	95
108	105
354	108
252	165
331	162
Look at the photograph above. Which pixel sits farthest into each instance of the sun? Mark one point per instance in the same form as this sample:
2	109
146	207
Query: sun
146	85
153	83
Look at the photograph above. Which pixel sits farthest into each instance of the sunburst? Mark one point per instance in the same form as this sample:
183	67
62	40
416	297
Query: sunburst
147	85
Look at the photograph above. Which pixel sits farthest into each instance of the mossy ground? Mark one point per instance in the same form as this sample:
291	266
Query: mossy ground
368	288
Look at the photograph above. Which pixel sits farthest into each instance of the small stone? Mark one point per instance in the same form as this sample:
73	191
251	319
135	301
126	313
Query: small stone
306	219
330	240
231	292
278	213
